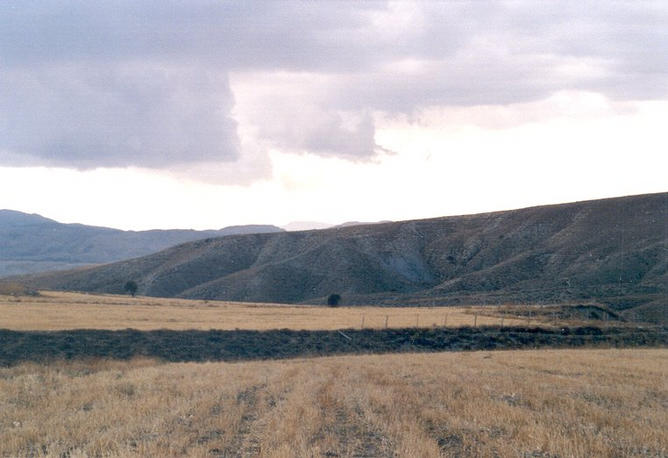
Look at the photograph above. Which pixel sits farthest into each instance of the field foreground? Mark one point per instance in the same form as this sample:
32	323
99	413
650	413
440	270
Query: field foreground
505	403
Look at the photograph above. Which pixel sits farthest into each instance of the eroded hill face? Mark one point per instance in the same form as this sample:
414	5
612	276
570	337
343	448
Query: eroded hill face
611	251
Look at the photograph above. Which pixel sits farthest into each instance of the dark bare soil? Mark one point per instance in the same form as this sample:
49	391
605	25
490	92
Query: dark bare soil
193	345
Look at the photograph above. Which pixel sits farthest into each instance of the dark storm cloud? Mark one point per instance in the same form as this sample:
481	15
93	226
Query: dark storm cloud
86	84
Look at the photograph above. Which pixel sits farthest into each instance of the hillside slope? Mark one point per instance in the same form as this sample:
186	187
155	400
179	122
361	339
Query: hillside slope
32	243
612	251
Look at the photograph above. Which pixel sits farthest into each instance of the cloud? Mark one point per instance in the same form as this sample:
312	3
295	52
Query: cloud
293	112
134	113
206	82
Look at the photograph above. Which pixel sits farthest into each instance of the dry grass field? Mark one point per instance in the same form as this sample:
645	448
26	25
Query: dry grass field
547	403
62	310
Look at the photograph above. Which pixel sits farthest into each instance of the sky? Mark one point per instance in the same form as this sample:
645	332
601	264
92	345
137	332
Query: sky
205	114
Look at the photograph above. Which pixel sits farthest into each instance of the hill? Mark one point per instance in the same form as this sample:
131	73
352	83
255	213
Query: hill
32	243
610	251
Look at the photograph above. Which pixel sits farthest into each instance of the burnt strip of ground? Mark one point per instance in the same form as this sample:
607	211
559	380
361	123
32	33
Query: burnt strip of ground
215	345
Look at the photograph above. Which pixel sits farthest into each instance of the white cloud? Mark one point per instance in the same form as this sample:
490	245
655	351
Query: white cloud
280	111
88	85
596	148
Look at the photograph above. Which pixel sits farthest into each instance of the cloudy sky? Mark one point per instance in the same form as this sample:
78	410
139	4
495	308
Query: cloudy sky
205	114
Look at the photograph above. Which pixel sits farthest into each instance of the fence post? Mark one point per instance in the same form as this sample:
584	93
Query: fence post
475	320
362	325
417	320
386	321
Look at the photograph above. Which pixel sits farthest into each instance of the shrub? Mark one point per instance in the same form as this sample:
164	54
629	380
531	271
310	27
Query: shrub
131	287
333	300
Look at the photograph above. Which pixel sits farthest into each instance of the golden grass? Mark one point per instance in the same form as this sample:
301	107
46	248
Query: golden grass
60	310
579	403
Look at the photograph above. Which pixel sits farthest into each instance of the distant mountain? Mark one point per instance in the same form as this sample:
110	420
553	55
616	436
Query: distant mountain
360	223
305	226
32	243
314	225
611	251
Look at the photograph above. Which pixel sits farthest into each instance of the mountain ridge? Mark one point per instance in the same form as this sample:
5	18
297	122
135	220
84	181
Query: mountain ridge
32	243
611	251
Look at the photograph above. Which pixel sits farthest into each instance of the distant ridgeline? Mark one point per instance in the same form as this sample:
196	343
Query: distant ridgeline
32	243
610	251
